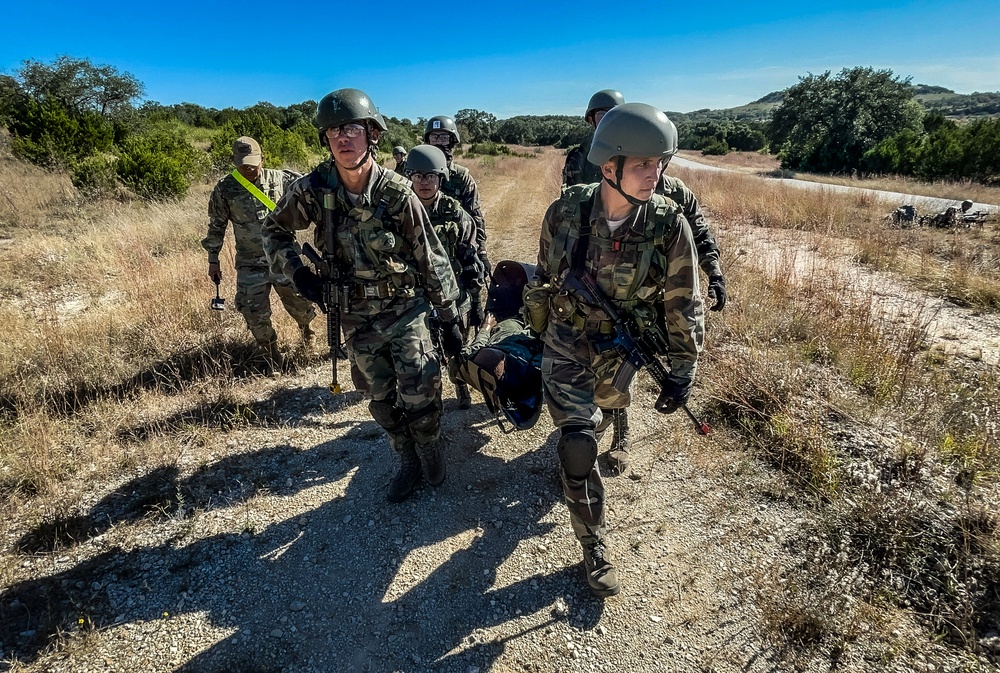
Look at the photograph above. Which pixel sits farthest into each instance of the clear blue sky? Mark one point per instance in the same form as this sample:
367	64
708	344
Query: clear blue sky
418	59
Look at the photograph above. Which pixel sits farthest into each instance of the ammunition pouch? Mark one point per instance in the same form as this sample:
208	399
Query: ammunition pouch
536	304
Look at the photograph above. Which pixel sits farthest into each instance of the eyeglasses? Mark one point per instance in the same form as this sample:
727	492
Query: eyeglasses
423	177
443	137
350	130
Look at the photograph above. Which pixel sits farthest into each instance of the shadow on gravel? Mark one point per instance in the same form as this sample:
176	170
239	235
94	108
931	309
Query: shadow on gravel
355	584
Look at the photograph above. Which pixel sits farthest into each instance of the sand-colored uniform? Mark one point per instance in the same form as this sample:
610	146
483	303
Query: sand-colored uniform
231	202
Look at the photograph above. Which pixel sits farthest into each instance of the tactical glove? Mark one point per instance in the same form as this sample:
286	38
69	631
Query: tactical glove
451	339
675	394
717	291
476	315
215	272
309	285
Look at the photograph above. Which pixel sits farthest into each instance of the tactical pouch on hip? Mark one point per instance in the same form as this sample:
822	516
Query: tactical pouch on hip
536	304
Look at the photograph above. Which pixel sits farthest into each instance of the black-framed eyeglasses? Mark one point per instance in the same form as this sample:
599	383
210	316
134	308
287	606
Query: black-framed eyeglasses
350	130
442	137
423	177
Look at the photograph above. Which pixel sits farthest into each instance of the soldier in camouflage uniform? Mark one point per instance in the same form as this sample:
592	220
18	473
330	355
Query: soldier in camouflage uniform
639	249
427	168
399	154
442	132
395	271
233	201
578	170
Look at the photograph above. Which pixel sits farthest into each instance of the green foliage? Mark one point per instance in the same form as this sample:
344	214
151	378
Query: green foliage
559	130
827	123
720	136
80	86
95	176
401	132
159	164
281	148
475	125
492	149
48	134
716	147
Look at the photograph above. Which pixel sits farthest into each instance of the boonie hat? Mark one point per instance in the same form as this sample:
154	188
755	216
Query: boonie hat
246	152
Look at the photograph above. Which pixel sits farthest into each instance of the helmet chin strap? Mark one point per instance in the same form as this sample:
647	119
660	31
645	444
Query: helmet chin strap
618	185
368	152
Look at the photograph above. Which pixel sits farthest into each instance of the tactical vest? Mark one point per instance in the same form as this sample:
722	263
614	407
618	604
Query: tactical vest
573	212
373	248
445	220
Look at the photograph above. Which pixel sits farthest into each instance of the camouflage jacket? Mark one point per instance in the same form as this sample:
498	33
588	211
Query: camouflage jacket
577	170
647	260
708	250
457	233
462	186
384	242
231	202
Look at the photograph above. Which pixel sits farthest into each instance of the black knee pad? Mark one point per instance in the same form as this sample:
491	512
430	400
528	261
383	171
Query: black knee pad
386	413
425	423
577	451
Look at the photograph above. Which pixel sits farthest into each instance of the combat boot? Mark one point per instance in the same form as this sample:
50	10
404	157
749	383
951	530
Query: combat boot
402	485
432	460
618	454
601	575
271	351
463	394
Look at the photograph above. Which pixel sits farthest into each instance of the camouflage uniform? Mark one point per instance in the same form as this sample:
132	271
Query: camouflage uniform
577	170
635	266
397	269
462	186
457	233
231	202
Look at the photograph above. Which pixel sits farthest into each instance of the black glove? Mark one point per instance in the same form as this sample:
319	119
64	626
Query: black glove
451	339
309	285
675	394
476	314
717	291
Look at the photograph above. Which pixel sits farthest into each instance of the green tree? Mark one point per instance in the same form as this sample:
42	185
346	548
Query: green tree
827	123
478	125
80	86
281	148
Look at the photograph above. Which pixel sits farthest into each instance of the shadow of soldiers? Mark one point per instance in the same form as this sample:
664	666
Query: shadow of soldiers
359	590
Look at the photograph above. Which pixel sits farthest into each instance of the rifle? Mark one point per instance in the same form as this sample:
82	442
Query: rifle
334	290
638	348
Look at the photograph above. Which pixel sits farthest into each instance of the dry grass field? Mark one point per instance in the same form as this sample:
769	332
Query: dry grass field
816	377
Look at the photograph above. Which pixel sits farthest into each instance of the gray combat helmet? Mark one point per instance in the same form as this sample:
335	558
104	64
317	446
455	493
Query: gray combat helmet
605	99
633	130
442	123
399	149
427	159
344	106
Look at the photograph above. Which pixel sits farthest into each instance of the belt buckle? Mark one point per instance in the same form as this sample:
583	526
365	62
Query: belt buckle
371	292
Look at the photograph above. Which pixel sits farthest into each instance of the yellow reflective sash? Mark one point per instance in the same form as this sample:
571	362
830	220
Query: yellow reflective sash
252	188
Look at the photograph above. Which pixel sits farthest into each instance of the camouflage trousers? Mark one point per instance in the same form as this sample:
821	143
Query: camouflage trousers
575	394
394	356
253	301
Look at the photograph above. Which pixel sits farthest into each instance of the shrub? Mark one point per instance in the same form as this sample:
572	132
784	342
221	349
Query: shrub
716	147
48	134
159	164
95	176
280	148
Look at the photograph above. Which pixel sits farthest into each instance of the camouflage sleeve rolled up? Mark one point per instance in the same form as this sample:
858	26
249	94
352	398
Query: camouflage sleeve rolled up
430	258
683	309
218	220
704	241
298	209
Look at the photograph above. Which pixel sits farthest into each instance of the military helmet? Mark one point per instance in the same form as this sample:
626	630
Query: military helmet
633	130
442	123
344	106
399	149
966	204
504	298
427	159
605	99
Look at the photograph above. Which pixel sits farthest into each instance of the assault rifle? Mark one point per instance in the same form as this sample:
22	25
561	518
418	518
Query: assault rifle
328	269
638	348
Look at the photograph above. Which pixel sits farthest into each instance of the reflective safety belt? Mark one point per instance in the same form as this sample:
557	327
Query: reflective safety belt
252	188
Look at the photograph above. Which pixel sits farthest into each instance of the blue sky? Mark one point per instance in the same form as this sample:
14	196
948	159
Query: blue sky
420	59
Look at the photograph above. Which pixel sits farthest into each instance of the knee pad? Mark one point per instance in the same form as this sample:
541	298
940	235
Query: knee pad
386	414
425	424
577	451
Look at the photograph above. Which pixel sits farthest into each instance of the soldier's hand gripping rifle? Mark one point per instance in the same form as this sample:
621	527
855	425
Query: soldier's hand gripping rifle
330	273
638	348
